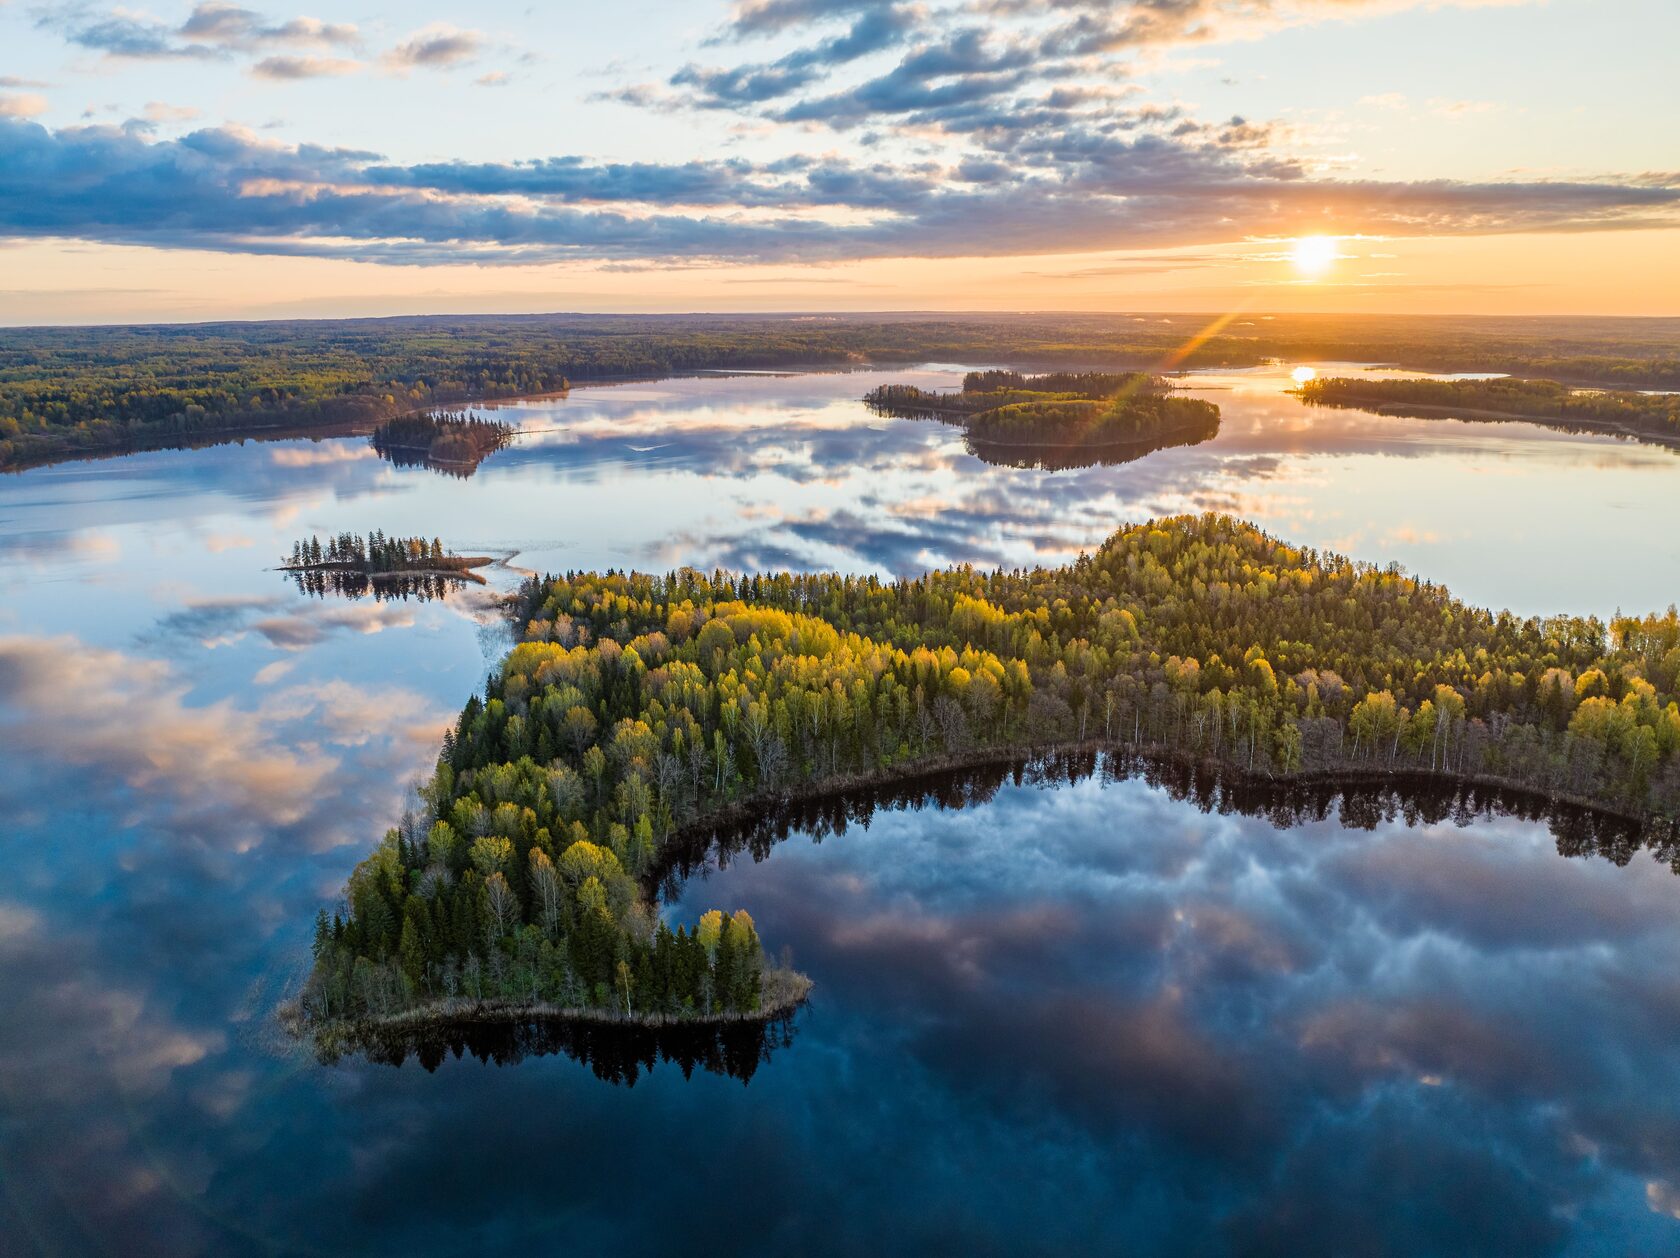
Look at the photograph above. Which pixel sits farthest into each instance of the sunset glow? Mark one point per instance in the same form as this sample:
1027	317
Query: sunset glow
1314	255
840	627
773	155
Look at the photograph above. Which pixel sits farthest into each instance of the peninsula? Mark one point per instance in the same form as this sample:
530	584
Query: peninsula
639	710
1653	417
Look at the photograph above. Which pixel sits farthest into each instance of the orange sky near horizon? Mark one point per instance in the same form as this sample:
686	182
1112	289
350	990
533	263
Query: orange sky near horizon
1581	273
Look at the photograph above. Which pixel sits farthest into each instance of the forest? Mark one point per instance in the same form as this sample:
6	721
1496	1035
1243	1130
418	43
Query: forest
69	392
1059	410
639	709
1649	415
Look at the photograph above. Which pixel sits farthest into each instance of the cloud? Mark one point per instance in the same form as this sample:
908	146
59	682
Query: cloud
875	30
212	31
22	105
131	37
1029	141
496	78
285	67
439	46
161	111
768	17
1019	42
232	26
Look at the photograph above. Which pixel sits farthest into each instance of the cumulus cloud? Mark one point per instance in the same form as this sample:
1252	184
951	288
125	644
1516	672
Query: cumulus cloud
1029	140
1061	190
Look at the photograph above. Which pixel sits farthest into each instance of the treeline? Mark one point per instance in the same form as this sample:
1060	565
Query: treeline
1200	634
374	553
69	391
1085	384
1147	418
911	401
454	442
1646	414
641	707
988	390
1353	802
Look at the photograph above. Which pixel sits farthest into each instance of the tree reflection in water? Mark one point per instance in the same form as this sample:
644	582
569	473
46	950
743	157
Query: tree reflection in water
420	587
617	1053
1417	800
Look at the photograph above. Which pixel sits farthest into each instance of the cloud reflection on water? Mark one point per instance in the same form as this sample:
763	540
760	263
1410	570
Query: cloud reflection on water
1257	1015
1086	1019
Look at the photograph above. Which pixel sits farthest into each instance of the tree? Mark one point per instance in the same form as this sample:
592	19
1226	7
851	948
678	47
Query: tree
580	725
501	905
545	882
491	854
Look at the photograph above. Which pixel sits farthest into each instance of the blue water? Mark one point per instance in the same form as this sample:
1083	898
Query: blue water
1085	1017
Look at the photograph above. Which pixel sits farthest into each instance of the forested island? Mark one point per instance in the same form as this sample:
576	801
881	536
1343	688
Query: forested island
352	565
451	442
1648	416
69	392
1085	415
640	710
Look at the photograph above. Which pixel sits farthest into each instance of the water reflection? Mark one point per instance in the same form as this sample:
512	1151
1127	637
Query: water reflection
1080	1014
761	472
1421	800
451	442
422	587
1240	1038
615	1054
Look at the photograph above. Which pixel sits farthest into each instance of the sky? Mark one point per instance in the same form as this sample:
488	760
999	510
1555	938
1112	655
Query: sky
210	160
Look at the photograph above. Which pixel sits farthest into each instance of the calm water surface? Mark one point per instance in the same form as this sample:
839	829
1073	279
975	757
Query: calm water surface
1080	1016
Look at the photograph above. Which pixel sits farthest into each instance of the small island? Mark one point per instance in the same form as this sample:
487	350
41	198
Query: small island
1059	419
1652	417
641	711
454	443
352	565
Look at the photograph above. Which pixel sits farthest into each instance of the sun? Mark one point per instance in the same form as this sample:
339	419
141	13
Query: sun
1303	374
1314	255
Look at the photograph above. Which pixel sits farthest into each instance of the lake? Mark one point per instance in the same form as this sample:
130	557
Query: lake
1075	1014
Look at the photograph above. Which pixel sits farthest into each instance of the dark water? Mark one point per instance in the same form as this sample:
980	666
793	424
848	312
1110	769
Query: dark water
1085	1016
